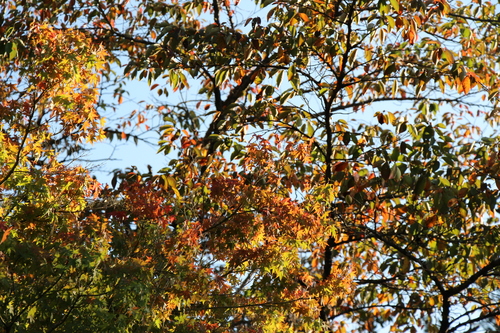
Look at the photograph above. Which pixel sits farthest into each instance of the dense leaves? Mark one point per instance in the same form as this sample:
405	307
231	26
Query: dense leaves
333	167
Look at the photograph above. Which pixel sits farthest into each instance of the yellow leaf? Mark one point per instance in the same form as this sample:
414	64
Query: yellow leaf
448	56
395	5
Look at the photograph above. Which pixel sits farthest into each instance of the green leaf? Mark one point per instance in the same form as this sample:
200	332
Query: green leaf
221	76
420	185
279	78
13	50
395	173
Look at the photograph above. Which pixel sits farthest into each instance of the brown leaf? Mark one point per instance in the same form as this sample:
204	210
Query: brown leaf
340	166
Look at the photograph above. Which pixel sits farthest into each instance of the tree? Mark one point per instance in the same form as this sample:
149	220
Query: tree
295	201
49	255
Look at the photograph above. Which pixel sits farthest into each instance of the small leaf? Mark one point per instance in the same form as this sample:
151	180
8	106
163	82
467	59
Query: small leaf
31	314
13	51
304	17
381	118
444	181
395	5
394	88
279	78
340	166
420	185
221	76
291	72
395	173
5	234
466	85
114	180
448	56
173	185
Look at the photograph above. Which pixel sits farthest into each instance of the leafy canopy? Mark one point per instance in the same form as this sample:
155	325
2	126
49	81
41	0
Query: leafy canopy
334	166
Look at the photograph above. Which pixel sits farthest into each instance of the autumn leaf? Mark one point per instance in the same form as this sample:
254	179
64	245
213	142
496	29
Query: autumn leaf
340	166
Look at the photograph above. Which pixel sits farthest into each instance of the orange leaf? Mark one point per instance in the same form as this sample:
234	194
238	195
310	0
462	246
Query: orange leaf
5	234
466	84
314	262
304	17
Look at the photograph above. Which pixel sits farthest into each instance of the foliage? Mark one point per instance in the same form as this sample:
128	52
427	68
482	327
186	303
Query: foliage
293	200
49	255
